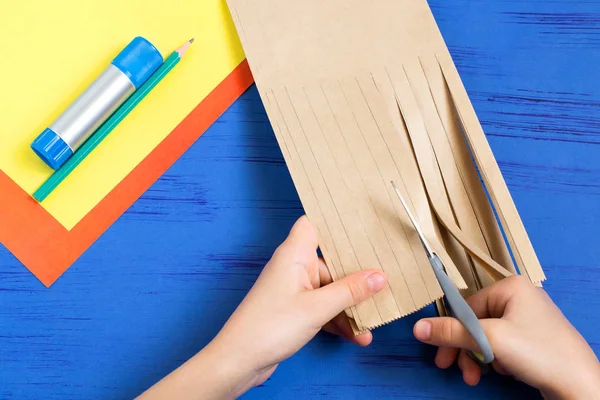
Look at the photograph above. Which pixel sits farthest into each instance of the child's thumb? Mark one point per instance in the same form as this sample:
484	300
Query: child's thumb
449	332
344	293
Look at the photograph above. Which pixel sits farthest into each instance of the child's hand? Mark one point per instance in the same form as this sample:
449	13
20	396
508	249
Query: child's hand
286	308
288	305
531	339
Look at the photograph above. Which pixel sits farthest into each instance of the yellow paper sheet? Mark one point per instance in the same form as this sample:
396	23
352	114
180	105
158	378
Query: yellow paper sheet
53	49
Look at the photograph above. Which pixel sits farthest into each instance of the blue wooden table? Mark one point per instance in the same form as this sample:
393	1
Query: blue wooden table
158	285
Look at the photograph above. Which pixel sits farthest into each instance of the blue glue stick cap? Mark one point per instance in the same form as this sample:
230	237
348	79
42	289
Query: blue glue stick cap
138	60
51	148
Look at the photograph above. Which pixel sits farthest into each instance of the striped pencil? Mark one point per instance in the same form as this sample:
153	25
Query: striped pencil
58	176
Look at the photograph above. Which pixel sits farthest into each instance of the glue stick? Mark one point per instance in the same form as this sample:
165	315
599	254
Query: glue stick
126	73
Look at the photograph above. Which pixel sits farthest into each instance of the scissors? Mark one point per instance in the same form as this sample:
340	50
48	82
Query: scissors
456	303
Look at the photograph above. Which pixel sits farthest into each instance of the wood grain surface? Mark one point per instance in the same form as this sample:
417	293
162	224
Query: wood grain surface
158	285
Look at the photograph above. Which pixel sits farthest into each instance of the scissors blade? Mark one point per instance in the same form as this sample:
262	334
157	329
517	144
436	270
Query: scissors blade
428	249
457	304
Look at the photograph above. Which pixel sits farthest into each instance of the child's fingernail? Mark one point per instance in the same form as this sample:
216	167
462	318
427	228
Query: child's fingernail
423	330
376	282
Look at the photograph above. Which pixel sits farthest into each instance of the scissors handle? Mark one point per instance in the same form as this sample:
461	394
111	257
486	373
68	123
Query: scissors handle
462	311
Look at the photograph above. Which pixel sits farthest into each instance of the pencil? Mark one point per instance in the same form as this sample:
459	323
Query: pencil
58	176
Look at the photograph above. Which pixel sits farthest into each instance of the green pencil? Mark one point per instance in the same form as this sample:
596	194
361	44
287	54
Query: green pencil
57	177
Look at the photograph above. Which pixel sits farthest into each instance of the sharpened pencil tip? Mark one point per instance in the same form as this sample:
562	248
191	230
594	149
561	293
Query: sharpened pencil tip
184	47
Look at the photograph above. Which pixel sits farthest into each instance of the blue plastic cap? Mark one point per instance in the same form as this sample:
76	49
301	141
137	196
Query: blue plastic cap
138	60
51	148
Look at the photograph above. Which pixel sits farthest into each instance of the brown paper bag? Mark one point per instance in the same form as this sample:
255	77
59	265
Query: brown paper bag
363	93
